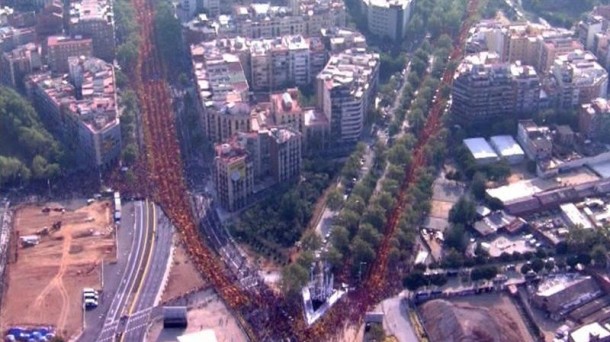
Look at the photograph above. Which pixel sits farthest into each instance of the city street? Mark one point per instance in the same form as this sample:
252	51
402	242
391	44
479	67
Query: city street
156	271
396	318
220	240
134	240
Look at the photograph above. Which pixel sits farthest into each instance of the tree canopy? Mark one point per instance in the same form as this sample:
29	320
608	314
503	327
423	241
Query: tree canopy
27	149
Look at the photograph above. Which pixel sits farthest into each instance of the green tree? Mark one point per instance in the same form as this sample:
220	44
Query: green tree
340	238
334	200
414	281
362	252
455	237
25	144
169	36
311	241
438	279
453	259
478	186
130	154
537	265
483	272
599	254
294	277
464	212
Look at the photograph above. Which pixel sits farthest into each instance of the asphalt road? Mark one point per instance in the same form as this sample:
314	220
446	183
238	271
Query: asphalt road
147	293
134	242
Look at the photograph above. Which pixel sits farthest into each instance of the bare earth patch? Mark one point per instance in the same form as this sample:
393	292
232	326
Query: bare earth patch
183	276
491	317
440	208
45	280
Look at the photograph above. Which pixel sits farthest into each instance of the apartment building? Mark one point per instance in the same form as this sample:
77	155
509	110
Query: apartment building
94	19
233	174
49	20
592	118
285	110
223	92
285	61
337	39
486	89
16	64
488	35
528	43
555	47
387	18
187	9
59	48
526	88
345	90
81	107
578	79
263	20
587	28
536	141
285	152
11	37
601	48
249	159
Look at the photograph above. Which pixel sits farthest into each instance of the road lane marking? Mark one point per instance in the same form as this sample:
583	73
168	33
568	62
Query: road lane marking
146	268
118	298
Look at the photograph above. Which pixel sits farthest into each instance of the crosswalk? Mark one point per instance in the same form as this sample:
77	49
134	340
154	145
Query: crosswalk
110	325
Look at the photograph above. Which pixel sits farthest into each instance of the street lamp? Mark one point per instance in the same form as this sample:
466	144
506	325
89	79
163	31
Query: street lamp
360	271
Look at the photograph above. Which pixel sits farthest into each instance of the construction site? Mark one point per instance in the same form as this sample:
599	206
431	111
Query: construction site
54	252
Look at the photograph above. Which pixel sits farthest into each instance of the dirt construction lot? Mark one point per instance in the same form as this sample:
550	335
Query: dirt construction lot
45	280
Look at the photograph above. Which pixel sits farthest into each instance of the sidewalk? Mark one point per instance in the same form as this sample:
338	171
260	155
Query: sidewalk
396	318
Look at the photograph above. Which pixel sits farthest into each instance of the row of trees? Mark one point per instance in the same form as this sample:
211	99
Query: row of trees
561	13
168	32
128	36
296	274
358	229
27	150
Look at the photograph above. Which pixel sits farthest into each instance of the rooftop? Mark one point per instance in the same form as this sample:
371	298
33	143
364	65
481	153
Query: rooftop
59	40
207	335
354	68
314	117
282	135
232	150
553	286
94	102
389	3
286	102
480	148
220	76
23	51
584	333
575	216
580	67
506	146
90	10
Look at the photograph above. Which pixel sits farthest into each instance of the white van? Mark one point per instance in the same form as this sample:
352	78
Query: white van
90	295
89	290
90	303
